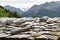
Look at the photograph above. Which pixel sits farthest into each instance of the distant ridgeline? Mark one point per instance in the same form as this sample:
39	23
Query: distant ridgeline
7	13
51	9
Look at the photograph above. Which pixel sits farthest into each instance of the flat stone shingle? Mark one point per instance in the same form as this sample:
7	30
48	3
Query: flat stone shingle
24	28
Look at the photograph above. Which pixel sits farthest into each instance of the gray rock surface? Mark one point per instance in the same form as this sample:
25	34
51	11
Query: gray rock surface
30	28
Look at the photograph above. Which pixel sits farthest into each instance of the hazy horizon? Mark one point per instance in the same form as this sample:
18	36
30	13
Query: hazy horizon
23	4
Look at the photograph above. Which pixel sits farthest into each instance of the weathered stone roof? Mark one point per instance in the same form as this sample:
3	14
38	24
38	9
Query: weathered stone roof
30	28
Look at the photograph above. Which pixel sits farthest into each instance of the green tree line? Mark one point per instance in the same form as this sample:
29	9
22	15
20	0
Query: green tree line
7	13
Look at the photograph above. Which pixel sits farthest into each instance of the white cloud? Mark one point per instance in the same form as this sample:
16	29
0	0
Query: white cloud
23	3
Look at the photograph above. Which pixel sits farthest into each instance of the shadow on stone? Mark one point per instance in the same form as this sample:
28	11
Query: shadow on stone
14	39
40	39
58	38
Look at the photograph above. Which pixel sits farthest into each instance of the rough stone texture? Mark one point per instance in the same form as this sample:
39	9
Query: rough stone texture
30	28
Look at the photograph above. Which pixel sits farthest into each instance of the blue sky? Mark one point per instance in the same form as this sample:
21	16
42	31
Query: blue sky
23	3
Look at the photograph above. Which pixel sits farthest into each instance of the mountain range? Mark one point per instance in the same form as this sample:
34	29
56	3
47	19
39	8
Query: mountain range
13	9
51	9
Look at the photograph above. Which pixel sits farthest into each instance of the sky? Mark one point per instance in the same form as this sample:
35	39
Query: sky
23	4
